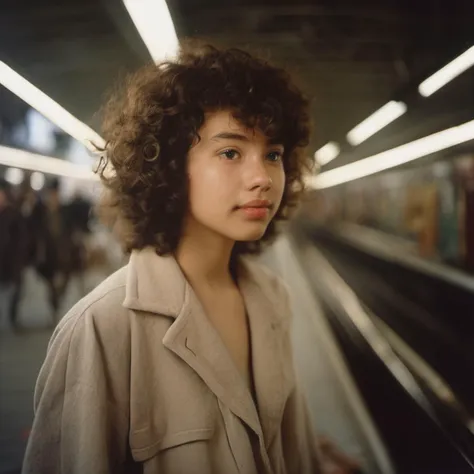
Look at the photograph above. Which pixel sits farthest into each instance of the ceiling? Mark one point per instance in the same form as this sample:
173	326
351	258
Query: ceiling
350	60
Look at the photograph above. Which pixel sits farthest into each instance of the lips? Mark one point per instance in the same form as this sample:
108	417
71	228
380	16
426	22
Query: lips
257	204
257	209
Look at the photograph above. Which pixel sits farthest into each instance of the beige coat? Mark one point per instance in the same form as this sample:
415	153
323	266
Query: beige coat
136	379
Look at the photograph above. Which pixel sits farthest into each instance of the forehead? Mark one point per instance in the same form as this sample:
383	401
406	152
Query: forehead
223	121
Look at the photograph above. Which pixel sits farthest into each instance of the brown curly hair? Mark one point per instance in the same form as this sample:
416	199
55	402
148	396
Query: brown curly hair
151	125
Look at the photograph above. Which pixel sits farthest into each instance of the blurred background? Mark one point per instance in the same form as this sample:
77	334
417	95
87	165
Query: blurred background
379	258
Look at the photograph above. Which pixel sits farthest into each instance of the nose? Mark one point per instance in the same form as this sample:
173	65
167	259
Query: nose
258	177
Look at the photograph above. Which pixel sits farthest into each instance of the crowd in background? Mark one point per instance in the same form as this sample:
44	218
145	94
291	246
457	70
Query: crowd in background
40	232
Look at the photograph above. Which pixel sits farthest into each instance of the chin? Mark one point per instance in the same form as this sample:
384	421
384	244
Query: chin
251	238
249	235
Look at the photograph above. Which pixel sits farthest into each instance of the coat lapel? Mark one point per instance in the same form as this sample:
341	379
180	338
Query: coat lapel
200	346
156	284
269	338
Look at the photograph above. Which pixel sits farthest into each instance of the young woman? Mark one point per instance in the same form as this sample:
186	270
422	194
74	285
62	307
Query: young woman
180	363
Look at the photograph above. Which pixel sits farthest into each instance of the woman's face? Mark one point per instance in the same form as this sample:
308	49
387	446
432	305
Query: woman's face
236	179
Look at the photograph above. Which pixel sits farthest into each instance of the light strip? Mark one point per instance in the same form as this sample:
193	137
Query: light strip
153	21
17	158
327	153
48	107
439	79
394	157
378	120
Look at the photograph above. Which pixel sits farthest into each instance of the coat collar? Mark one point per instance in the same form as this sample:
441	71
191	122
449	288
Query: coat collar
156	284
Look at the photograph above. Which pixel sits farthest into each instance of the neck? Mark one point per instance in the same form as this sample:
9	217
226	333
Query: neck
204	257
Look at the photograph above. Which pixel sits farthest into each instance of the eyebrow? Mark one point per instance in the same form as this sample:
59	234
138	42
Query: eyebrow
238	136
230	136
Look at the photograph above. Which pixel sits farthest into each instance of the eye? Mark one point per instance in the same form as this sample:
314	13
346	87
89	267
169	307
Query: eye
275	156
230	154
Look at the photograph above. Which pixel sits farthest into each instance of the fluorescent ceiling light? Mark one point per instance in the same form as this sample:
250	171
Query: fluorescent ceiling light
44	164
37	180
394	157
14	176
327	153
48	107
447	73
154	24
378	120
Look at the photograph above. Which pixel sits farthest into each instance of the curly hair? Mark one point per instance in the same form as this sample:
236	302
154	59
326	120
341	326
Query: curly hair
150	126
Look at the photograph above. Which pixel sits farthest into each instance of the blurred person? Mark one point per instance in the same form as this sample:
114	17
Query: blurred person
48	217
76	231
51	246
80	213
48	246
12	253
33	213
181	361
59	251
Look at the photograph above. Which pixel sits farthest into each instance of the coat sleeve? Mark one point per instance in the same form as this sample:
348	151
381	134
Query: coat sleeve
81	401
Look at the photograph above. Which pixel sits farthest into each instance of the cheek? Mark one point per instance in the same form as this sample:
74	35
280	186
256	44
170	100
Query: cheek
278	189
208	185
279	181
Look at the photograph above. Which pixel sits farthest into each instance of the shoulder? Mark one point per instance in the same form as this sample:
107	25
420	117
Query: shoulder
268	280
272	286
91	344
98	315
